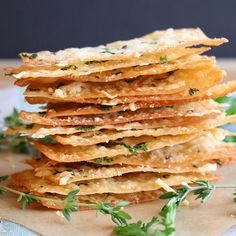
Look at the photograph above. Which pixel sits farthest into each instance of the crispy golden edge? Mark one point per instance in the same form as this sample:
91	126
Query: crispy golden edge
66	153
214	92
123	73
34	184
119	117
90	138
186	79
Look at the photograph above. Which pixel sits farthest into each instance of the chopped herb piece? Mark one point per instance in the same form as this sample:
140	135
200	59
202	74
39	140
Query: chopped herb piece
29	126
30	56
191	91
9	74
138	147
107	50
218	162
33	89
41	113
92	62
163	60
119	73
73	67
124	47
84	128
103	160
105	107
48	139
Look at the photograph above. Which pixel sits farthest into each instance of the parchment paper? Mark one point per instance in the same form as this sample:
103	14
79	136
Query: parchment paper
211	218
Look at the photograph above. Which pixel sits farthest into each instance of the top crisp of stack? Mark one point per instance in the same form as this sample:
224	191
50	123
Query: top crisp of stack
125	119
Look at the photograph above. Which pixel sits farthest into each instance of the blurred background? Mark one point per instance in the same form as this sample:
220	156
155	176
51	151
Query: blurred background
32	26
28	25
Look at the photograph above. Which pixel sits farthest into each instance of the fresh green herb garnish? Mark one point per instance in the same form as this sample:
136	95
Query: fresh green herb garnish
30	56
103	160
15	142
163	60
230	102
12	121
163	225
230	139
191	91
3	178
136	148
70	204
73	67
84	128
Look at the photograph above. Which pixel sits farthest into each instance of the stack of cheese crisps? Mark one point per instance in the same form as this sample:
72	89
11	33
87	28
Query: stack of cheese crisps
124	120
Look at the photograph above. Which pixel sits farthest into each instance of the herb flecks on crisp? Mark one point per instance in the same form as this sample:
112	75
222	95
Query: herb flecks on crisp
48	139
72	67
137	148
30	56
192	91
92	62
85	128
103	160
163	60
107	50
105	107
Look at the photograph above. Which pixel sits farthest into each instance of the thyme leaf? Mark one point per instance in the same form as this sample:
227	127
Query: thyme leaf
136	148
85	128
163	60
192	91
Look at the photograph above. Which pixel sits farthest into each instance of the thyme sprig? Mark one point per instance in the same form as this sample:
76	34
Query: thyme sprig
71	204
163	225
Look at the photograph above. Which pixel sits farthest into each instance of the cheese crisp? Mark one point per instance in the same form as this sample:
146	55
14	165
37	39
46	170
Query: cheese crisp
118	119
